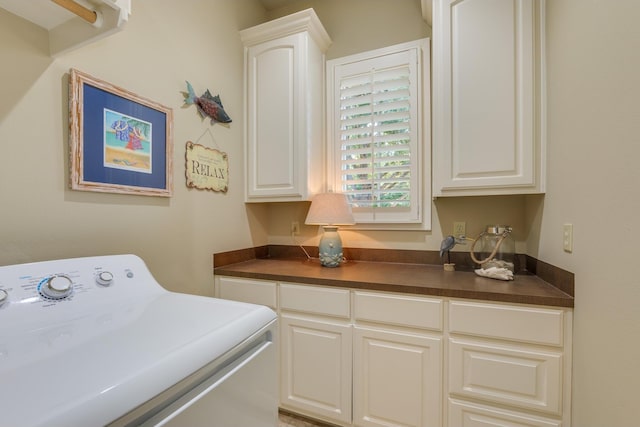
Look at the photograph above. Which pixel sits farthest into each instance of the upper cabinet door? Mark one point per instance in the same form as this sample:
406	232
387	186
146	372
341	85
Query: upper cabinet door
272	157
488	90
284	93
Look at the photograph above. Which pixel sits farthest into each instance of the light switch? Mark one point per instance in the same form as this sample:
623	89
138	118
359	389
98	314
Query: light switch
567	237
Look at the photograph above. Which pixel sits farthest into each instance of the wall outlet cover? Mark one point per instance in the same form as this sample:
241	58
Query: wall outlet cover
459	228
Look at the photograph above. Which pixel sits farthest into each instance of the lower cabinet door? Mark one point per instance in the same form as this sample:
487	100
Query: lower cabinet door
510	374
465	414
397	379
315	366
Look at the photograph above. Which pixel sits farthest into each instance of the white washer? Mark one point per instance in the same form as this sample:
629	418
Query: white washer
97	341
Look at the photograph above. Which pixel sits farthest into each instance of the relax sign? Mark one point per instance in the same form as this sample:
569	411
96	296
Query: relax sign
206	168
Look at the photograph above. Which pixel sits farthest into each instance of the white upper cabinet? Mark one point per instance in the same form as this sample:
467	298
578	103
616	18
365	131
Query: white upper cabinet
488	97
284	93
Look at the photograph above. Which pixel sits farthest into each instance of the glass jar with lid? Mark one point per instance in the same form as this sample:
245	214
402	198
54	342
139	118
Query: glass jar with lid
495	247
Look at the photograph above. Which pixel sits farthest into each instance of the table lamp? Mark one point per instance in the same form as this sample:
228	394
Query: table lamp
330	210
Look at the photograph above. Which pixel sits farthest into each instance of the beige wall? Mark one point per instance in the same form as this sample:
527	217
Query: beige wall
164	43
593	174
477	212
360	25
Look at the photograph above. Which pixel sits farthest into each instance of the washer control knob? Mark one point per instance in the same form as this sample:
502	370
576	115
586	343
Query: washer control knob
104	278
4	296
57	287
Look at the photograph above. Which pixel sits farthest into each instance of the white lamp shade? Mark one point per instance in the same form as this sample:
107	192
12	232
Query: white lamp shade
330	209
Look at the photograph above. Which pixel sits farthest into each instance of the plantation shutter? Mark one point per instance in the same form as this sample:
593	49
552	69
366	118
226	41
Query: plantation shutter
376	123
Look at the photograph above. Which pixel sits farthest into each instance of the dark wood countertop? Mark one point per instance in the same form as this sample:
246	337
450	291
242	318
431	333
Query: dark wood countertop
400	277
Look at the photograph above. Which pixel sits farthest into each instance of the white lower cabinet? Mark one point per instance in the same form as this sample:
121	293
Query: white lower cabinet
508	374
465	414
358	358
316	351
315	368
508	365
262	292
397	360
367	358
396	378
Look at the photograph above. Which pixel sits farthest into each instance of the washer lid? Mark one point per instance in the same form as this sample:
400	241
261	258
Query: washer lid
95	368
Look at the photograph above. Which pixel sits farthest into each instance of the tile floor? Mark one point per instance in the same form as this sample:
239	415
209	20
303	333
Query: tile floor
290	420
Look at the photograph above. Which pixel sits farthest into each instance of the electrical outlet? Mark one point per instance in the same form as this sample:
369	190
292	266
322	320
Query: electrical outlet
567	237
459	228
295	228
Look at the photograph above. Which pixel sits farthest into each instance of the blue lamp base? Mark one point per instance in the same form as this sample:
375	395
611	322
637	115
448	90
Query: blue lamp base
330	247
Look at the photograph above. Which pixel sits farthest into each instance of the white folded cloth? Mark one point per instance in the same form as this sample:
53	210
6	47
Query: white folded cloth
495	273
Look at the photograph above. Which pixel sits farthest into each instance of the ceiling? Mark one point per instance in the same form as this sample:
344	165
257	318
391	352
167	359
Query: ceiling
275	4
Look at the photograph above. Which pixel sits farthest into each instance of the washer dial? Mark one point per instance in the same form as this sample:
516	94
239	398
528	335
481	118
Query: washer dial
56	287
104	278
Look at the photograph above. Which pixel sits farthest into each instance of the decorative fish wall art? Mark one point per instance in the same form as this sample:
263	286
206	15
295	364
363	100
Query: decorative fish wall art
207	105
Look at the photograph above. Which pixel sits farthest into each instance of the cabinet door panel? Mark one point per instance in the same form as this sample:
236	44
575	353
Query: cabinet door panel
272	85
316	367
515	375
487	97
464	414
252	291
397	379
400	310
315	300
484	77
518	323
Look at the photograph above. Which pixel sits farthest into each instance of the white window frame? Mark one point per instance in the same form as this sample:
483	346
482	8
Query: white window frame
419	216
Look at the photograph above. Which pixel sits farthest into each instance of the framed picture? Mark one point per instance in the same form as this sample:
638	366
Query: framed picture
119	142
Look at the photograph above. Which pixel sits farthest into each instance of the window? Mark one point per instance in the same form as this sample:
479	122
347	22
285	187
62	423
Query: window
377	114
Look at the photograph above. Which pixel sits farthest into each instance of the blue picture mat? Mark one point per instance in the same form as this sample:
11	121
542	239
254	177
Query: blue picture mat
95	101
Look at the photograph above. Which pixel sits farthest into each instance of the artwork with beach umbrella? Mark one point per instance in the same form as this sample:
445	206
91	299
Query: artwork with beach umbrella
127	142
